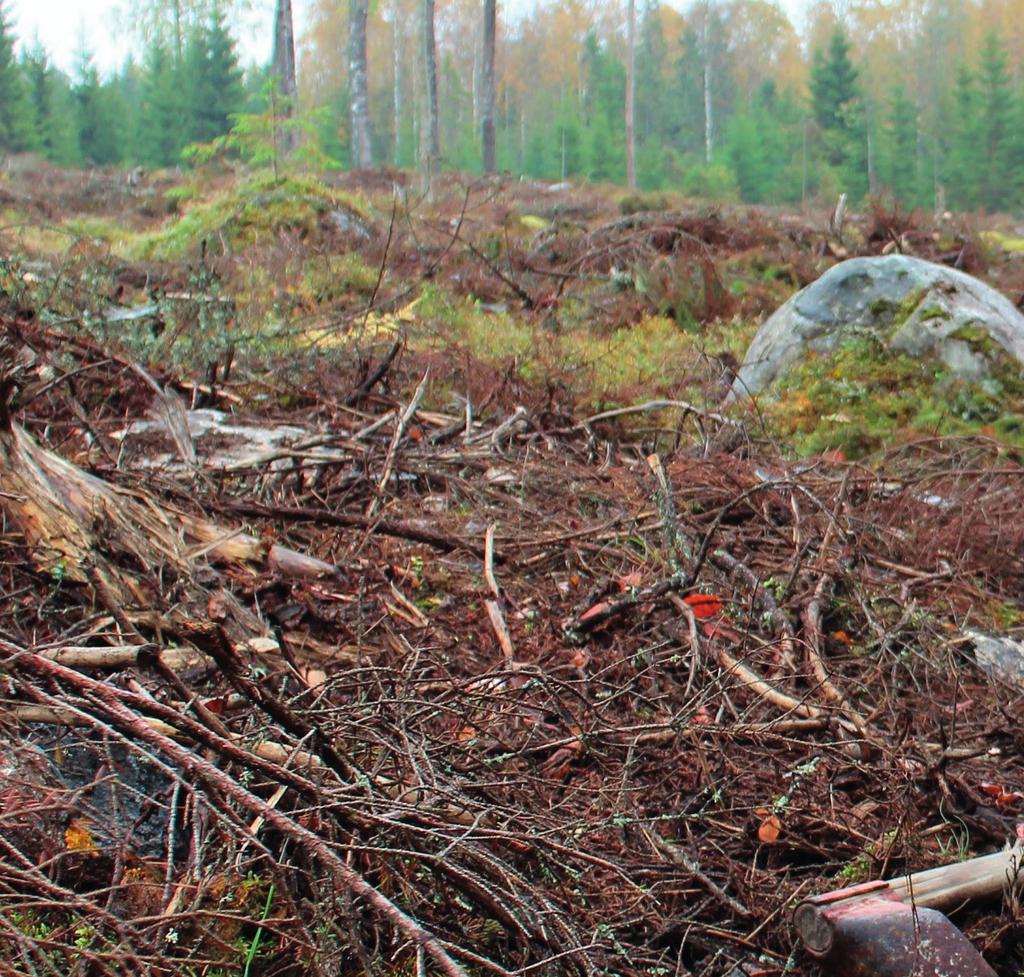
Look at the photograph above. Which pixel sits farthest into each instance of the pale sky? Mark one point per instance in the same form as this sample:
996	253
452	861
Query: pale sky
105	27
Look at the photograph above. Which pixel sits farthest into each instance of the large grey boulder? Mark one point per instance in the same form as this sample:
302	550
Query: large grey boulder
913	306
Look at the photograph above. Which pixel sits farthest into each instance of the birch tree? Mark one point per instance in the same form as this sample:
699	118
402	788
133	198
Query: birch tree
359	107
430	148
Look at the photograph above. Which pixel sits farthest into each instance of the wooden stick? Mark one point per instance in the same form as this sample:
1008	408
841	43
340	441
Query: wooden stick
934	888
500	629
403	423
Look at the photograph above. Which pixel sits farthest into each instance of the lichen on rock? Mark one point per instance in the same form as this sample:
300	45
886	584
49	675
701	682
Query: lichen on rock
916	308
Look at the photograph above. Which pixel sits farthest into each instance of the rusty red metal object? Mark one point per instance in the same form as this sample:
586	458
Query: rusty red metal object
868	931
896	928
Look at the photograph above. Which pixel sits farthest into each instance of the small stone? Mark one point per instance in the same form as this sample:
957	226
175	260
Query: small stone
1000	658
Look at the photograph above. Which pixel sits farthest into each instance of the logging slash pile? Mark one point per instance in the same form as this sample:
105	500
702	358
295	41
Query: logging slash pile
355	684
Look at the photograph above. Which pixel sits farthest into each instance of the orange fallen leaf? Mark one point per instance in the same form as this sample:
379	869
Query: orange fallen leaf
78	838
630	580
704	605
313	677
771	828
1003	798
599	608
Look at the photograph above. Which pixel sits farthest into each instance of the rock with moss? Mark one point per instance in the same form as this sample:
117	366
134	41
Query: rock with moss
913	307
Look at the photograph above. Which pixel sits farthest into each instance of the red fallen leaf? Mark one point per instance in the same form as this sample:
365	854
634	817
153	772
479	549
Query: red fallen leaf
217	608
704	605
630	580
1003	798
598	608
769	831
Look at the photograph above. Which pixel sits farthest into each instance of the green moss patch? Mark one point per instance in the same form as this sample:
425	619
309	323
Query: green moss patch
865	396
252	213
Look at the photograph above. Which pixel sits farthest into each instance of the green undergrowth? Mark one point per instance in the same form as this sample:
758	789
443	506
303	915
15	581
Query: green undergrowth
250	213
654	357
865	397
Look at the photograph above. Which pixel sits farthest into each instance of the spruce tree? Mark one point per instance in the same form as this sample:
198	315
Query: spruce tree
995	127
213	79
96	115
162	133
961	172
839	112
756	147
53	110
17	131
833	82
604	92
898	150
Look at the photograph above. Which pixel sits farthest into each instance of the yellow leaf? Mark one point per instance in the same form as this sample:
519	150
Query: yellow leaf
79	839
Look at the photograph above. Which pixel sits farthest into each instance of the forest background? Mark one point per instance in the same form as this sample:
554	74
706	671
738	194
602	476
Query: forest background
920	99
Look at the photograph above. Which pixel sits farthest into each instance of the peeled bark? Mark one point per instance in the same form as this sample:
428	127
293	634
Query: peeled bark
488	93
359	107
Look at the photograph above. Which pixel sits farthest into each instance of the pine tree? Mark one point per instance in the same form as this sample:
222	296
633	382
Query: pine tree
17	131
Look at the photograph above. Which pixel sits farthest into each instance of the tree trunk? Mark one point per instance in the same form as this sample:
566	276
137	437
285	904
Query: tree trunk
631	95
178	45
430	150
487	108
396	92
709	128
359	103
284	70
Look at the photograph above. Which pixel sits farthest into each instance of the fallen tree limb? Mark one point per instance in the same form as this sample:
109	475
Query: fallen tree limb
388	527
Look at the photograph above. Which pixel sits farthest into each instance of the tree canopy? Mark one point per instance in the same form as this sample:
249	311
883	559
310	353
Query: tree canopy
920	99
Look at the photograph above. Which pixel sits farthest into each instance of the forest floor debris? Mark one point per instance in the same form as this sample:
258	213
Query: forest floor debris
496	683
